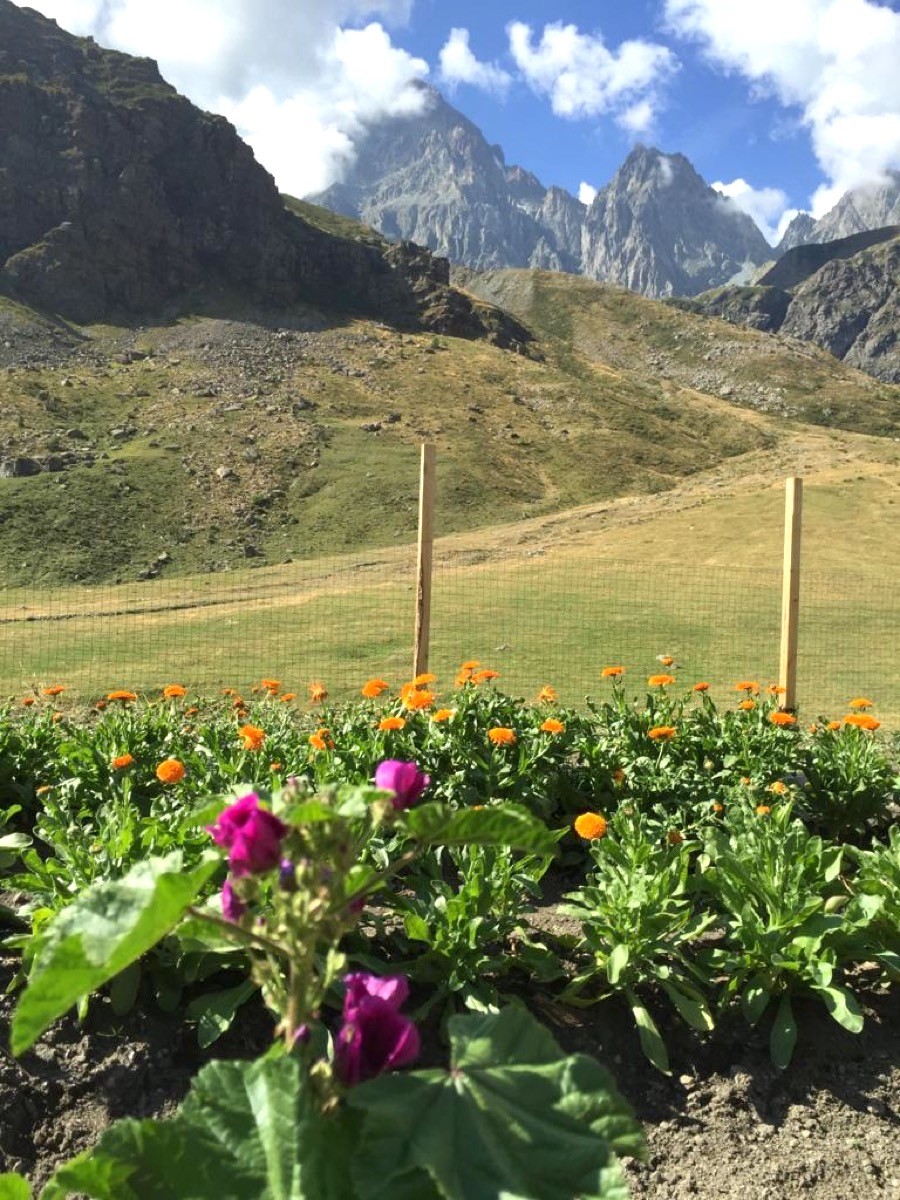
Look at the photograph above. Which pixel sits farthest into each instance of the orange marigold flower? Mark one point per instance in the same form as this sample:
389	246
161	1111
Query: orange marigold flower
762	810
674	837
28	701
463	678
746	781
661	733
287	697
778	788
551	725
271	685
665	659
373	688
660	680
618	776
501	736
317	692
56	690
775	689
485	675
321	739
122	761
43	789
747	705
859	702
170	770
814	728
547	694
443	714
862	721
125	697
747	685
700	687
834	726
228	692
612	672
173	690
718	808
418	699
100	705
192	711
423	678
276	766
237	702
782	718
471	664
591	826
388	723
57	716
251	736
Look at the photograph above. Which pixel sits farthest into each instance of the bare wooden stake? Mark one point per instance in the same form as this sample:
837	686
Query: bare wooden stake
424	559
790	592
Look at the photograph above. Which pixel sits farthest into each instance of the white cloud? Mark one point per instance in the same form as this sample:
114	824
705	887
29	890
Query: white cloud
300	80
459	65
584	78
836	61
586	193
767	206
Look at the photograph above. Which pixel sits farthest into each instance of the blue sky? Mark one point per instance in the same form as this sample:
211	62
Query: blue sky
785	103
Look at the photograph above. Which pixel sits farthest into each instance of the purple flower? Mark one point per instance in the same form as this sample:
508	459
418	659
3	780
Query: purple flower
404	779
375	1035
251	835
233	907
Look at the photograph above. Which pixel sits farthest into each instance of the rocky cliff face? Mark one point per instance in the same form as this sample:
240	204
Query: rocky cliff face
118	196
871	207
657	227
844	296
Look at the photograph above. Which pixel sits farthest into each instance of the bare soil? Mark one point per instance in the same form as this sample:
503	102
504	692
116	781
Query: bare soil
725	1126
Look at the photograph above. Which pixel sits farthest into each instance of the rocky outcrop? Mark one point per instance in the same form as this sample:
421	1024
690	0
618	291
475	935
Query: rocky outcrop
118	196
872	206
656	227
844	296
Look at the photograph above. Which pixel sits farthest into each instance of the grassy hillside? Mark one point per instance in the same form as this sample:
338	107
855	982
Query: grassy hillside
247	438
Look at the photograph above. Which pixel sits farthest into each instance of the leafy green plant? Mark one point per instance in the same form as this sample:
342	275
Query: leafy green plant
639	920
847	782
876	899
778	889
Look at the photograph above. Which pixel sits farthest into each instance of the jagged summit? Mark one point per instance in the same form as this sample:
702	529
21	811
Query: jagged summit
871	206
656	227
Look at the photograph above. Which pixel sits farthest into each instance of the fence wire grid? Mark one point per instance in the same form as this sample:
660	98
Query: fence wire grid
552	618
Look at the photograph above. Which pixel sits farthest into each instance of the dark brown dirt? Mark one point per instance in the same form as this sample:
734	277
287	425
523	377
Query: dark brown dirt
725	1126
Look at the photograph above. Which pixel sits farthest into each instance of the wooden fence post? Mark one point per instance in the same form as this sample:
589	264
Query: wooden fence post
790	592
424	559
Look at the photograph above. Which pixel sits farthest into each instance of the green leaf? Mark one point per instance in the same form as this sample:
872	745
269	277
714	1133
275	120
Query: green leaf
14	1187
246	1131
754	1002
843	1006
691	1007
215	1011
124	989
651	1039
416	928
106	928
512	1118
889	959
783	1037
617	962
497	825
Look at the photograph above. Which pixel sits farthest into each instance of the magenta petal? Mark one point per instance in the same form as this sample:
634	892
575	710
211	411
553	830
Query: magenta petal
393	989
404	779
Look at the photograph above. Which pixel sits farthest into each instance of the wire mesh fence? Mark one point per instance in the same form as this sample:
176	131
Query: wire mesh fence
556	617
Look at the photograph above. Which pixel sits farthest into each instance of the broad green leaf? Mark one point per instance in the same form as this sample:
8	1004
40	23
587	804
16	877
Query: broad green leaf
754	1002
651	1039
416	928
783	1037
501	825
124	989
617	962
106	928
14	1187
691	1007
246	1131
512	1118
843	1006
215	1011
889	959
